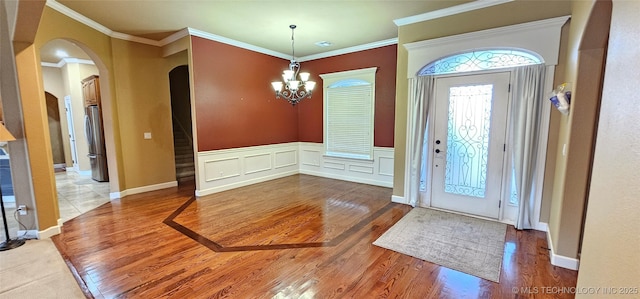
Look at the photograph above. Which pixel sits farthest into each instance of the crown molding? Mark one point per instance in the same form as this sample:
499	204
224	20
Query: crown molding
78	17
225	40
174	37
137	39
51	64
552	22
369	46
64	61
97	26
449	11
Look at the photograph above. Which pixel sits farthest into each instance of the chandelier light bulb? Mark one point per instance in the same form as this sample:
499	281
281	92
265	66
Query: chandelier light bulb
277	86
309	85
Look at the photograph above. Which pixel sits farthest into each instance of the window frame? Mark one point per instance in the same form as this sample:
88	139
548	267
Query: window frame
336	80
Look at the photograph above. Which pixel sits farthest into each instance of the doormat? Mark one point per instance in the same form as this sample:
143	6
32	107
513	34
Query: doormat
470	245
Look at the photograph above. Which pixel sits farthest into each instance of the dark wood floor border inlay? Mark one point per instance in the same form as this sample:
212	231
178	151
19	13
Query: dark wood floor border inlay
219	248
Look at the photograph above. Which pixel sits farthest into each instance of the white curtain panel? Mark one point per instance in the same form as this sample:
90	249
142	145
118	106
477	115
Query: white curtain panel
528	98
421	93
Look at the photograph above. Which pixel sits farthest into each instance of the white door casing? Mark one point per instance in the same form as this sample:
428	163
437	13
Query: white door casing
525	36
470	121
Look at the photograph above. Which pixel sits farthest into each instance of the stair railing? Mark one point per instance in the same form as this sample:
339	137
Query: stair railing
189	138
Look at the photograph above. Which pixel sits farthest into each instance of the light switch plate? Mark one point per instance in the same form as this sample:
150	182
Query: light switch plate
147	135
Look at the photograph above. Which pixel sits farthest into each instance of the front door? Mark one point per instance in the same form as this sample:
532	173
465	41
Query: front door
469	140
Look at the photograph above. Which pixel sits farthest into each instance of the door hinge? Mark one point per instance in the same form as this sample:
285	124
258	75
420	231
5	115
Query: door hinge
504	147
499	204
509	89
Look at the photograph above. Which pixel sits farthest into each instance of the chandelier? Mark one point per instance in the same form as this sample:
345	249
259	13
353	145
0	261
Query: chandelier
294	86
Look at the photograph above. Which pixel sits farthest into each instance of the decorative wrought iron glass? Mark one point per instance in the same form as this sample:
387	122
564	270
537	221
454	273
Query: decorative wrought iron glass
469	122
479	60
295	85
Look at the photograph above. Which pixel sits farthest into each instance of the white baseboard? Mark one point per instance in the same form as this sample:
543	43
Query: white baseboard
559	260
543	227
347	178
398	199
44	234
115	195
137	190
226	187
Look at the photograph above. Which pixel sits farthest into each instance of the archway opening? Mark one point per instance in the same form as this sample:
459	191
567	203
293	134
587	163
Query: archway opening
67	68
182	124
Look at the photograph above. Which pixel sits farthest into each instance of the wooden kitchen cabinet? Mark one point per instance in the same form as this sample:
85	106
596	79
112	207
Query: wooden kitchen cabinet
91	90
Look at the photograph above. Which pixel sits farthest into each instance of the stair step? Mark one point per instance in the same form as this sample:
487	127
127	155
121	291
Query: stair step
185	165
183	151
184	158
186	179
185	173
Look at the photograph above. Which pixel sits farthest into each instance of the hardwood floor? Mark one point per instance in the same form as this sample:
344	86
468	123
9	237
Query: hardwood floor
295	237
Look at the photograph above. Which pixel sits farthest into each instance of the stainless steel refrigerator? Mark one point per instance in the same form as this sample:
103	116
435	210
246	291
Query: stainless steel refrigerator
95	136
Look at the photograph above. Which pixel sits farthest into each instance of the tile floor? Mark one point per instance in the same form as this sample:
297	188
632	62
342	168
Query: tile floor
77	194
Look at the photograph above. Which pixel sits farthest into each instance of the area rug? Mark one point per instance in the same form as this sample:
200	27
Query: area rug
470	245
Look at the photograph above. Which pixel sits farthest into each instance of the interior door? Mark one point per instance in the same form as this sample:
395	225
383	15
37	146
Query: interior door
72	135
470	123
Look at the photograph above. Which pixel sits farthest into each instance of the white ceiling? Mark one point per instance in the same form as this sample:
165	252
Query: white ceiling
261	23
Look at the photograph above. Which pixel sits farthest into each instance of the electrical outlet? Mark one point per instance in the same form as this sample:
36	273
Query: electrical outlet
22	210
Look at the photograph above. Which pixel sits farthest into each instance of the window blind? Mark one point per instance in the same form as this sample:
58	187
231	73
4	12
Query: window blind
349	121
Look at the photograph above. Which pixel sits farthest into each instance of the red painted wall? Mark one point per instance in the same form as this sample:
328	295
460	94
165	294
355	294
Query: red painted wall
235	105
310	111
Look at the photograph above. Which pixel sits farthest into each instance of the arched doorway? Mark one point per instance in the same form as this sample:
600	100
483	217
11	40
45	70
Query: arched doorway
182	123
65	65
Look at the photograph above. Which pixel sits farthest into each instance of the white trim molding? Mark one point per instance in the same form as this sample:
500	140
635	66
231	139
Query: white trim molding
97	26
449	11
542	226
226	169
66	60
137	190
560	260
398	199
210	36
526	36
364	47
222	170
225	40
378	171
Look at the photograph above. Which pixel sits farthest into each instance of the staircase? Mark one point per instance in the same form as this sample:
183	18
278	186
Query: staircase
185	168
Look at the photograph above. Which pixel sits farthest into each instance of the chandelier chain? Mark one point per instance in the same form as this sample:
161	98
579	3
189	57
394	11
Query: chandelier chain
293	49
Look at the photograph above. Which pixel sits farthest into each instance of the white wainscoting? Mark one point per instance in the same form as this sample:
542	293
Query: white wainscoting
378	171
226	169
222	170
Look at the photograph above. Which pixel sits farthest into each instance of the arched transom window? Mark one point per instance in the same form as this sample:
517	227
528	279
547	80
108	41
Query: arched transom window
479	60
